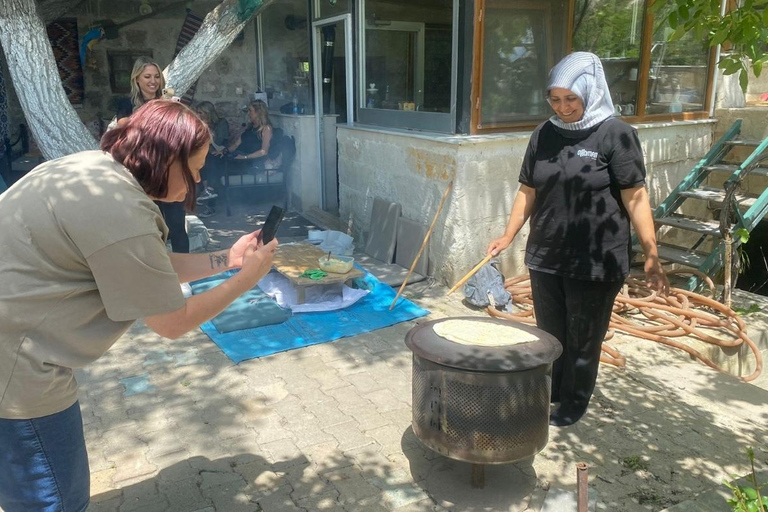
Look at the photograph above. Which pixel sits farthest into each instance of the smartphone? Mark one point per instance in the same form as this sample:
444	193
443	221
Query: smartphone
269	229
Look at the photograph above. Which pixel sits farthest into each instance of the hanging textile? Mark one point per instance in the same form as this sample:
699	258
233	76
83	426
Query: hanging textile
66	51
191	25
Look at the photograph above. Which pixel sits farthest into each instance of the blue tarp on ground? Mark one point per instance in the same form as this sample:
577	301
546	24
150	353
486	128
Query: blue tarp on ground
304	329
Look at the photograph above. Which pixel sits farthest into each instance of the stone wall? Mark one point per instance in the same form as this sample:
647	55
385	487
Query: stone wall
414	170
753	126
227	83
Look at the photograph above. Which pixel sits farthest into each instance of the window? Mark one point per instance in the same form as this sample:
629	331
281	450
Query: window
120	67
329	8
613	31
677	79
518	41
521	42
284	43
407	64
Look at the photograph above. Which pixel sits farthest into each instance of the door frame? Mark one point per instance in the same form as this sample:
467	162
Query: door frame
318	86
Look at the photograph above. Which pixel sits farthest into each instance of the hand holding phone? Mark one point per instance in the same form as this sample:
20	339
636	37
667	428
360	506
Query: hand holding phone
269	229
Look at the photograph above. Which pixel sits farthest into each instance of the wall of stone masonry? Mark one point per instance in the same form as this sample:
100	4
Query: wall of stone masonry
414	170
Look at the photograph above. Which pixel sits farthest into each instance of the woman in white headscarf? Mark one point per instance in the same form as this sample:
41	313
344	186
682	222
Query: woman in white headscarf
582	181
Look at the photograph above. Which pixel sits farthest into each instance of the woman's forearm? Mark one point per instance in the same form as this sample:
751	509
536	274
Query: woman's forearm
257	154
199	308
639	209
191	267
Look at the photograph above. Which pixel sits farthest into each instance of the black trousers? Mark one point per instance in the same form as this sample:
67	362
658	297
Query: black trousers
212	171
174	214
577	313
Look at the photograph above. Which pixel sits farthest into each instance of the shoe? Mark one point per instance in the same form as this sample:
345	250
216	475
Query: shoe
206	195
565	416
205	212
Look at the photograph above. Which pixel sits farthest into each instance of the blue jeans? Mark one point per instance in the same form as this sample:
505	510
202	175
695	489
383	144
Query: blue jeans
44	464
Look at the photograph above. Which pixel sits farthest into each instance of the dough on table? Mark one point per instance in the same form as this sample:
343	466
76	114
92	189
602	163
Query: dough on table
482	334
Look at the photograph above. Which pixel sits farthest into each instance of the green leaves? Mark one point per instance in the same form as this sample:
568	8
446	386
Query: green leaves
719	37
744	29
742	235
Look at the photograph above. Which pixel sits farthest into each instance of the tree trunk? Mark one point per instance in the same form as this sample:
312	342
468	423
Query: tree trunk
219	29
53	122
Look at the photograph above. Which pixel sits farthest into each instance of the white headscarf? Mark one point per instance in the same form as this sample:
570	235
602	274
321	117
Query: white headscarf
582	73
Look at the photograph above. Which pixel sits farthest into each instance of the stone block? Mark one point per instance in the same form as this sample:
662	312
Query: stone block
385	400
349	436
351	485
383	230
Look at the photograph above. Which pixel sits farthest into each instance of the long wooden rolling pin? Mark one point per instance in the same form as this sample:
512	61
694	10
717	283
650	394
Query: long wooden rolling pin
471	273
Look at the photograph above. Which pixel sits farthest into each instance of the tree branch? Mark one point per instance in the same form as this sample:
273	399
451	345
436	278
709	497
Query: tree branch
219	29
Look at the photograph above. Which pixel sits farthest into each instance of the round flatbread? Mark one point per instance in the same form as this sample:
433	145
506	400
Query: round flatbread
482	334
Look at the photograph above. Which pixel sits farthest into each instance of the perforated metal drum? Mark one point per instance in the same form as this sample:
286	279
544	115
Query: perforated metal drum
482	404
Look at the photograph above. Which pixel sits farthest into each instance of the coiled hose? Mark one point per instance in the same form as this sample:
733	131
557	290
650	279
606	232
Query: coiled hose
681	313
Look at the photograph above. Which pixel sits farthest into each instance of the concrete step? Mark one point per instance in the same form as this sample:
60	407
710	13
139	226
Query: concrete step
731	168
677	255
326	220
717	195
705	227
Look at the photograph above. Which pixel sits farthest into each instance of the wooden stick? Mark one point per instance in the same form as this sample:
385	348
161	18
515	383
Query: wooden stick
471	273
423	244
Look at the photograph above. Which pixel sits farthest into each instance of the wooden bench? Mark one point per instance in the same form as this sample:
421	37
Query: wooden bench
250	174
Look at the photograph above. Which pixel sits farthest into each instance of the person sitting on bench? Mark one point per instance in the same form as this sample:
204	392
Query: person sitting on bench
253	143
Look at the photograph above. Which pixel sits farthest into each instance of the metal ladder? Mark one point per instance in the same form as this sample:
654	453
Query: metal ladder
749	209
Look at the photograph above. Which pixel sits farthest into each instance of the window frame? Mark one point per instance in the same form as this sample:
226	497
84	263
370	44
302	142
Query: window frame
441	122
477	127
130	57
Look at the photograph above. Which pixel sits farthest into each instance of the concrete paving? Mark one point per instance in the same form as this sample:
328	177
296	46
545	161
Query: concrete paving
176	426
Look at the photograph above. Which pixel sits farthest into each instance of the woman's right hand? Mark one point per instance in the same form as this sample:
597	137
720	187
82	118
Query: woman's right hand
257	262
498	245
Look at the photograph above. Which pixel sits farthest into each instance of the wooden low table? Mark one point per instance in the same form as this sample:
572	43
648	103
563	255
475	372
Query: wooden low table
292	260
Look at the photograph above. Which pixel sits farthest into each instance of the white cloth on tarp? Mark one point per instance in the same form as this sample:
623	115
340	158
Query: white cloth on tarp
320	297
335	242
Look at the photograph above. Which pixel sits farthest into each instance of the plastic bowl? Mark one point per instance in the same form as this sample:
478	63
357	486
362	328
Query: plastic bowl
337	264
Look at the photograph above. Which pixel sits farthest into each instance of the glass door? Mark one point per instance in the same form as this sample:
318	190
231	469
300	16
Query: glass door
333	74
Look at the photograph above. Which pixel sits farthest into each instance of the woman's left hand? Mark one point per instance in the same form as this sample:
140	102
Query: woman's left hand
241	157
251	241
655	277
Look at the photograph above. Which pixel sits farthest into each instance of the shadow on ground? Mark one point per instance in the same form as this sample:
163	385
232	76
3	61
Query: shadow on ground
175	425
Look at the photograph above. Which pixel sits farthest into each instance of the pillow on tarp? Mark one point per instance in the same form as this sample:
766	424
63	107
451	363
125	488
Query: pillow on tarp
252	309
487	283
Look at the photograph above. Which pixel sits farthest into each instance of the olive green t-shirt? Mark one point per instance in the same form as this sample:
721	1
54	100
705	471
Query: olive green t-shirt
82	255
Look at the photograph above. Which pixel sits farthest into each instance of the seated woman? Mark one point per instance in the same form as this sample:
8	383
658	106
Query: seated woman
253	143
211	171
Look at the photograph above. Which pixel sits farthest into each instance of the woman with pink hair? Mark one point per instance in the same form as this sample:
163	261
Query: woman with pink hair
82	257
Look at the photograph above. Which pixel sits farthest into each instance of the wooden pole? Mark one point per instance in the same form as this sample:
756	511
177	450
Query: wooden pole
471	273
423	244
582	497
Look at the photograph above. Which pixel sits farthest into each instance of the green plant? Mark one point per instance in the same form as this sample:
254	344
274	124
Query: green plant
634	463
744	29
753	308
746	498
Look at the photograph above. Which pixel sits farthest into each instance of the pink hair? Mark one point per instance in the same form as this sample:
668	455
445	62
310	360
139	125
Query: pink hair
158	133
